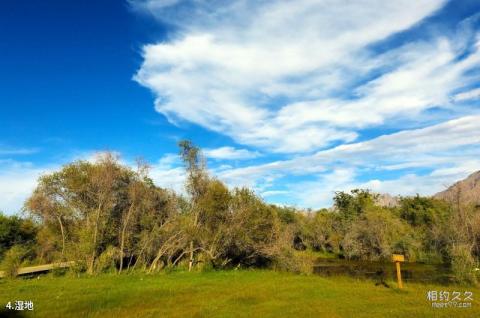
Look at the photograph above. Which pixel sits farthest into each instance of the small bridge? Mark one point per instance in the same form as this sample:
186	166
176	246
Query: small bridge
40	268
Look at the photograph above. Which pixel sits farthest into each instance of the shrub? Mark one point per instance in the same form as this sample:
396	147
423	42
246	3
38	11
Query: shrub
13	260
15	231
377	235
298	262
107	260
463	264
76	269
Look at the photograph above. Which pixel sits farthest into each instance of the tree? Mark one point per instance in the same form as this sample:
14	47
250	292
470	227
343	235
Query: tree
351	205
459	234
138	191
254	231
85	200
215	218
15	231
377	234
323	231
161	228
196	184
48	202
421	211
197	176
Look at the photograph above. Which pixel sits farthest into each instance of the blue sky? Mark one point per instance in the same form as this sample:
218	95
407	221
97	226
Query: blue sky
296	99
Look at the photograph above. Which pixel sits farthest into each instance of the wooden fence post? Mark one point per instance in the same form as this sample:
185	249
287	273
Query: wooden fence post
397	258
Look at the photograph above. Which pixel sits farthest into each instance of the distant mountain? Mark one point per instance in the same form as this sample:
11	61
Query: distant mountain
467	190
386	200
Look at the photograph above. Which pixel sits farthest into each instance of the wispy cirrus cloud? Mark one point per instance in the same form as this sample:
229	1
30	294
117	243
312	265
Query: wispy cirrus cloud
230	153
273	74
330	85
13	151
468	95
447	151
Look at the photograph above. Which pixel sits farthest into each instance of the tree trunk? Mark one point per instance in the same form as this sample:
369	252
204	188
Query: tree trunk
190	263
122	238
122	246
94	247
153	266
63	235
179	258
129	262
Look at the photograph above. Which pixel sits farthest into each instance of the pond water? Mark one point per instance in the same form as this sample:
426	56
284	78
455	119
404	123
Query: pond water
380	271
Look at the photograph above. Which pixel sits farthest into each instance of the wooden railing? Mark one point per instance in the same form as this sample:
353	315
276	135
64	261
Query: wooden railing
40	268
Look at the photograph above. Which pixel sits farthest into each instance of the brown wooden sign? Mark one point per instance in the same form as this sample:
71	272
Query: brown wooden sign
398	258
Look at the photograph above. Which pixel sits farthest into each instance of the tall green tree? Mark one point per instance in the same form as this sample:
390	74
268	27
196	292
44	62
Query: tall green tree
196	185
85	200
351	205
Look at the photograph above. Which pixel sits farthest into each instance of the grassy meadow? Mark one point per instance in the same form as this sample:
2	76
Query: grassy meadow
225	294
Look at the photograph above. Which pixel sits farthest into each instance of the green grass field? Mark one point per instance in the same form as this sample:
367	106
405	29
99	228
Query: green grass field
225	294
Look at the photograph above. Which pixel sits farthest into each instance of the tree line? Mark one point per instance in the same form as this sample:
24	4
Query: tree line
110	217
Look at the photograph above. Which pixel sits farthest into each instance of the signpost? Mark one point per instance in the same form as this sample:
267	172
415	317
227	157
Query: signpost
398	258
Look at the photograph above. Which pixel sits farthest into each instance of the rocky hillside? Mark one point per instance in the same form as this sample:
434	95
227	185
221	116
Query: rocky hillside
386	200
467	190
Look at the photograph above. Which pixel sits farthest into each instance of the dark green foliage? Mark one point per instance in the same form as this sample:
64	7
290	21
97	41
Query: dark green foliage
353	204
254	230
377	234
464	264
213	206
13	260
15	231
287	215
323	231
422	211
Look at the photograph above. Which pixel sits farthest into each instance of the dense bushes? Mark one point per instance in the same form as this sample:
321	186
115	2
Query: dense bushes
13	260
463	263
376	235
423	229
15	231
107	216
104	215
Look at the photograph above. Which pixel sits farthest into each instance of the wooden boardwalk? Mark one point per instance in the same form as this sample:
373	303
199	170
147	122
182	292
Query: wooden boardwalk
40	268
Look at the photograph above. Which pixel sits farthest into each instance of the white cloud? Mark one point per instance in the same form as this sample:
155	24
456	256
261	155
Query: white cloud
427	76
10	151
297	77
230	153
450	149
229	65
168	173
468	95
273	193
319	193
17	181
